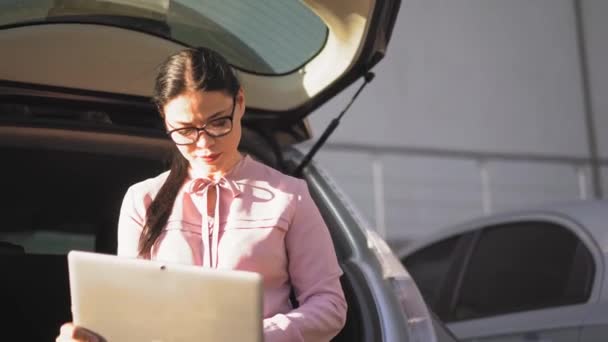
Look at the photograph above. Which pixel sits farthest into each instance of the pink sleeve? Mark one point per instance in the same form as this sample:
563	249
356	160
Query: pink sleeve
315	275
130	225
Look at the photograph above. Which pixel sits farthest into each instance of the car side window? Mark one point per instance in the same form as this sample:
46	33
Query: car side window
524	266
429	268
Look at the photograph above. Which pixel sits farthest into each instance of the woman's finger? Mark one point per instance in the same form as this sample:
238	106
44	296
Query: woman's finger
66	330
70	332
82	334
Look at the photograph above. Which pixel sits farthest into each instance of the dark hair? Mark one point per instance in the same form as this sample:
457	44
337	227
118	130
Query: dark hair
193	69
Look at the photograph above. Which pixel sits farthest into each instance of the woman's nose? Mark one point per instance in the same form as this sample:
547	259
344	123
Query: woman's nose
204	140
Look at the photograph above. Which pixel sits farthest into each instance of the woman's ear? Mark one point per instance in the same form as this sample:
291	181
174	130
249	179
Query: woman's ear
240	97
240	101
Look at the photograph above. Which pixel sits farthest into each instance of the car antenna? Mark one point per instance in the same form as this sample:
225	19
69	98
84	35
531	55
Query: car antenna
368	77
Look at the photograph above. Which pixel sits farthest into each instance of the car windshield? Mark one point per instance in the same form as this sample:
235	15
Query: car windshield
270	37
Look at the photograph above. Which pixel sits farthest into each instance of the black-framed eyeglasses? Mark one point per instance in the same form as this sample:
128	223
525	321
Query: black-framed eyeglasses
214	128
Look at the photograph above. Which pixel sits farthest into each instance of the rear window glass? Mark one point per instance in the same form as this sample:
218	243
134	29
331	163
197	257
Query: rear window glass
270	37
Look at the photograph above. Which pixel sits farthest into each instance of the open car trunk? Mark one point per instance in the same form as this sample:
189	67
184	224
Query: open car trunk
62	190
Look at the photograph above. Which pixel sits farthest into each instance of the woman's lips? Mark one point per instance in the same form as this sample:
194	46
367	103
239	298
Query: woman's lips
210	158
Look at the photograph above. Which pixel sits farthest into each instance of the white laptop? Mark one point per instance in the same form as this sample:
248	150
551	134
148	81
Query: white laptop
135	300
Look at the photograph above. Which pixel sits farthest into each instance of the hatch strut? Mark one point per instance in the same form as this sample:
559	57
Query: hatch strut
368	77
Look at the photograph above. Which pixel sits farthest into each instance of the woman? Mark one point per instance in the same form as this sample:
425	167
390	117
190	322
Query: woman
217	208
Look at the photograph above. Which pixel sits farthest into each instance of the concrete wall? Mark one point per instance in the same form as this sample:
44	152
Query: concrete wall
596	30
467	111
493	75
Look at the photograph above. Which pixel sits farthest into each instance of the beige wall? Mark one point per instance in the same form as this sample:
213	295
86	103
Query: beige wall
490	76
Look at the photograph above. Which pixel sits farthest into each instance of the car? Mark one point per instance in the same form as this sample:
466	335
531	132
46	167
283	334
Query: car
77	127
534	274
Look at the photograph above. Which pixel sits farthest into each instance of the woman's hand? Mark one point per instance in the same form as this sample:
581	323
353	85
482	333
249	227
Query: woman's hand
71	333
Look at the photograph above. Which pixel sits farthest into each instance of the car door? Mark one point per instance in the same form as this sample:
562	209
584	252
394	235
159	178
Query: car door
522	281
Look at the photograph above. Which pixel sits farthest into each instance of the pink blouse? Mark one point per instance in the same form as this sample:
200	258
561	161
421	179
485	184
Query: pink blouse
264	222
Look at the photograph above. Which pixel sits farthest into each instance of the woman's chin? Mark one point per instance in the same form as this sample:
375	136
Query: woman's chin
203	168
215	167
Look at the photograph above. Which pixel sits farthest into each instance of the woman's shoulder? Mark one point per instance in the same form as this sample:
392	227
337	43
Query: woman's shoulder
149	186
266	192
258	172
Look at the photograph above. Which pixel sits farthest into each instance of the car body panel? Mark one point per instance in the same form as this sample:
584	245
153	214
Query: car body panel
595	332
566	320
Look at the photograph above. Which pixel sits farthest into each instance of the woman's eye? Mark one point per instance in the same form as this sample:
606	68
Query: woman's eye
187	131
218	123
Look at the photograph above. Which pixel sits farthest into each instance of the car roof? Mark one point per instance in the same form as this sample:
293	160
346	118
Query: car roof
590	215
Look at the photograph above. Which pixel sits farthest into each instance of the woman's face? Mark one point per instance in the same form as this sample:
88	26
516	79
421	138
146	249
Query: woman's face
208	156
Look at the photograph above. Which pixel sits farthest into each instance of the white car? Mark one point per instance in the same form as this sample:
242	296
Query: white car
527	275
77	127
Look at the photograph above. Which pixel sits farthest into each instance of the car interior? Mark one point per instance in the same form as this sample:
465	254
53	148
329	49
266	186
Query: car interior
62	190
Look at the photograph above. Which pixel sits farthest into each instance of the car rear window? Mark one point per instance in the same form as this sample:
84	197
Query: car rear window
270	37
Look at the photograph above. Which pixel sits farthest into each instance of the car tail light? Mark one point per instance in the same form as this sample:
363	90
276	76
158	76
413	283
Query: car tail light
414	309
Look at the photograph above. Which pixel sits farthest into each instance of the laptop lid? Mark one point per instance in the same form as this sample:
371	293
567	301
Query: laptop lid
125	299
